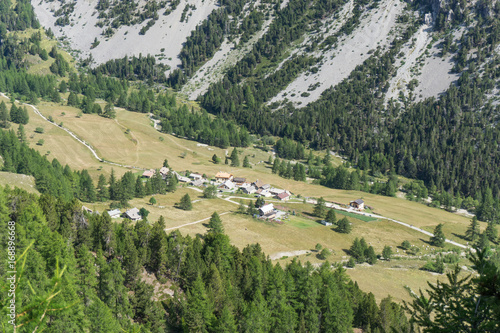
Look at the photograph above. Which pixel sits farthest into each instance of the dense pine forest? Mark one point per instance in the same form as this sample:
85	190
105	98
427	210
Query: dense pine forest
81	272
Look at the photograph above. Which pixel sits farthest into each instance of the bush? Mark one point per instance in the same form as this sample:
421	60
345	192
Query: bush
325	253
39	130
436	266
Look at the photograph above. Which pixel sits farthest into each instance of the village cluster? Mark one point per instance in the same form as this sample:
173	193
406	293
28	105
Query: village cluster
225	183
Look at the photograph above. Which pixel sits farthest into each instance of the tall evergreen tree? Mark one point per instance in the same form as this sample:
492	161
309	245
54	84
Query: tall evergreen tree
320	208
4	115
439	238
215	224
473	231
21	134
185	203
235	160
491	232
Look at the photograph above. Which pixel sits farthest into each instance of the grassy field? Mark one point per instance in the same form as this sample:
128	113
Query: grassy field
145	147
23	182
131	139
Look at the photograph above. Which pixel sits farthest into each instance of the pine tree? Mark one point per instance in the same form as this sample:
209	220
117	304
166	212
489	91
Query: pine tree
14	114
210	192
23	116
21	135
486	211
113	186
320	208
4	115
152	201
491	232
139	188
387	252
102	189
483	241
171	182
246	162
235	160
109	111
198	311
473	232
439	238
331	217
251	210
185	203
370	255
215	224
216	159
276	165
344	226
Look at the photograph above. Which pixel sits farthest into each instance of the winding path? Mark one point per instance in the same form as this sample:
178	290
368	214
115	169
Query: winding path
351	210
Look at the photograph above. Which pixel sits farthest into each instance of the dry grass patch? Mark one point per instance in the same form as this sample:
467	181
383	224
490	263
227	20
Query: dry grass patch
23	182
390	278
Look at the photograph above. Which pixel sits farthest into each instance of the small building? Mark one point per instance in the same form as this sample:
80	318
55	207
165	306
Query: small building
223	176
148	173
239	181
266	209
182	178
227	185
164	172
249	190
358	204
276	191
195	176
258	183
133	214
283	196
115	213
263	193
198	182
323	222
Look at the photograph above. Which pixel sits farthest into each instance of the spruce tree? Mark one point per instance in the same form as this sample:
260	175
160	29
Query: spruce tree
102	189
473	232
387	252
185	203
331	217
21	135
139	188
4	115
171	182
215	224
276	165
235	160
491	232
439	238
246	162
344	226
320	208
251	210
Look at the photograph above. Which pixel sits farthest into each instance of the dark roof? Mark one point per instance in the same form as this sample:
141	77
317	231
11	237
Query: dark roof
358	201
239	179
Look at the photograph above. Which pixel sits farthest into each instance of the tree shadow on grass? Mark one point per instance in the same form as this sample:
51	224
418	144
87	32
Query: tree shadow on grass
426	241
462	237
